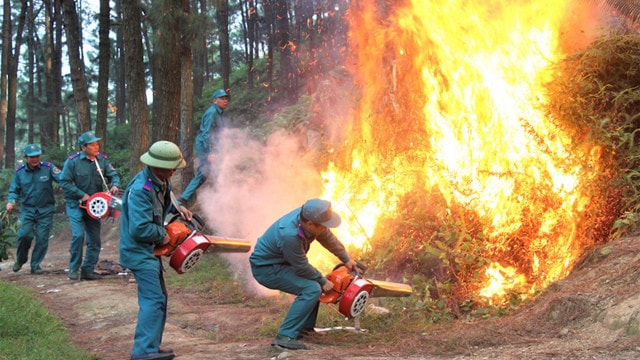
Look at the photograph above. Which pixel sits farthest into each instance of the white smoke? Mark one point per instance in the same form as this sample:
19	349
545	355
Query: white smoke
253	184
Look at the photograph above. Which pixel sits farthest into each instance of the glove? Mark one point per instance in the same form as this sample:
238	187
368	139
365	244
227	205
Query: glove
178	233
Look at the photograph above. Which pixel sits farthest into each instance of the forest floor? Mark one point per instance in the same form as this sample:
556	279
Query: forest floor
592	314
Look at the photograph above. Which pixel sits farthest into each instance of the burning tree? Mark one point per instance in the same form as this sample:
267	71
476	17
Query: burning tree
463	169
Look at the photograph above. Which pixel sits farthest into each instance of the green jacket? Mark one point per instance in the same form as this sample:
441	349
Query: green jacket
80	175
144	207
34	187
285	242
210	126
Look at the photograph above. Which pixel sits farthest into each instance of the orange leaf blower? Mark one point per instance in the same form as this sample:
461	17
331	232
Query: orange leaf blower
187	244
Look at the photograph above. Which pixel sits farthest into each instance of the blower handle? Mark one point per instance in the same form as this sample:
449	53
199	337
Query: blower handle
355	271
196	223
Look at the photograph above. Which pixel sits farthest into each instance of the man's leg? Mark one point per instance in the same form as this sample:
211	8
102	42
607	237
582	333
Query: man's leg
43	229
304	307
74	213
194	184
25	236
94	244
152	312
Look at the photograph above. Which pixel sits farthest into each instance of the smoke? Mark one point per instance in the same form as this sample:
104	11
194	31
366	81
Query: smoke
255	184
585	22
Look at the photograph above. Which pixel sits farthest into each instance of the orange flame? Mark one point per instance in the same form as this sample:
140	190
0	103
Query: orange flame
460	83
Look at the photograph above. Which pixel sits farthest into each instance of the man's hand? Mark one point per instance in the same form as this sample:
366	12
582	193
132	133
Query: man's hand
185	212
352	265
327	286
113	190
10	206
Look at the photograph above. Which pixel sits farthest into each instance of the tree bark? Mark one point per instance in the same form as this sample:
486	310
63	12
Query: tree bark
222	17
104	58
136	85
4	69
12	90
282	29
186	95
53	75
167	70
120	80
78	81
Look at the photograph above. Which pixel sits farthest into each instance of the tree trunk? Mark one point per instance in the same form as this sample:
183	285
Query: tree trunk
136	84
269	20
222	18
4	69
282	30
167	71
120	88
31	98
78	81
53	75
104	57
186	96
252	21
12	90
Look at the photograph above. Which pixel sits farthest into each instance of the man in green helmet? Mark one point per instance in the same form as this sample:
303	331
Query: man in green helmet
147	201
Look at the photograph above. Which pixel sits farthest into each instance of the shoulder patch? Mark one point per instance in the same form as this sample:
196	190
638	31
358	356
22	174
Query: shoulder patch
103	156
73	156
45	163
55	170
20	167
148	184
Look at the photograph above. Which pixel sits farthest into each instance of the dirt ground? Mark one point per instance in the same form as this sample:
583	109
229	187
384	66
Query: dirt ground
593	314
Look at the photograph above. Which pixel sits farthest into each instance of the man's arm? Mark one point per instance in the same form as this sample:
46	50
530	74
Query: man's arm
67	182
294	254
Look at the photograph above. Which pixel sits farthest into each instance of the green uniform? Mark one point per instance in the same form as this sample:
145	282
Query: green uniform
206	143
80	176
279	261
34	189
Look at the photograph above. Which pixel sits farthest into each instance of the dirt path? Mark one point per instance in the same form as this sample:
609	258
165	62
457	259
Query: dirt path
592	314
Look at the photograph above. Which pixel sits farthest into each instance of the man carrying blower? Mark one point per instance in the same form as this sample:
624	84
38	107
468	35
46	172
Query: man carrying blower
147	201
279	261
85	173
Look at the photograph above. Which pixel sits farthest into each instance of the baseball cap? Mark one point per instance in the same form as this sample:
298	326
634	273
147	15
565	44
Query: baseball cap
219	93
32	150
88	138
319	211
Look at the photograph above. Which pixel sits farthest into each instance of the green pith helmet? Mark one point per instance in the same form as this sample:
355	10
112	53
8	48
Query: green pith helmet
32	150
219	93
88	138
164	155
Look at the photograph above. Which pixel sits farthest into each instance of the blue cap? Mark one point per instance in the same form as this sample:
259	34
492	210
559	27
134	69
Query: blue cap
319	211
88	138
32	150
219	93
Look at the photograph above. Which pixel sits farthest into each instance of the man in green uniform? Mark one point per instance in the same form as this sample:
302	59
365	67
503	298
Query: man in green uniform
84	174
206	142
32	184
279	261
145	205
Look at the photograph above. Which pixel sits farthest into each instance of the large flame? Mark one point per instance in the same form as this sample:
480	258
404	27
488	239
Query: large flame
461	84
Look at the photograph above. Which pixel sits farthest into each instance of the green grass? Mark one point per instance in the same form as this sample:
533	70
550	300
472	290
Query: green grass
29	331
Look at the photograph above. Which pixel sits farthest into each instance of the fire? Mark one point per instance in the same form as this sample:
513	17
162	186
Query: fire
501	279
452	98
